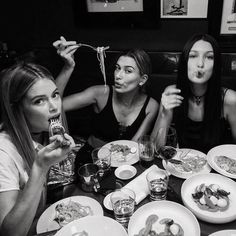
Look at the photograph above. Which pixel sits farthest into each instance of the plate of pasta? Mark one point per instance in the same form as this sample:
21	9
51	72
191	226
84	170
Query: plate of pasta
67	210
123	152
222	159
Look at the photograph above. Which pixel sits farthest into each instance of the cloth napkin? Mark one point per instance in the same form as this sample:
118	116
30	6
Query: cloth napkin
139	185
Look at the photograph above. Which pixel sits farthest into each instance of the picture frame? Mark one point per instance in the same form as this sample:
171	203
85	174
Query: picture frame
114	14
184	8
218	15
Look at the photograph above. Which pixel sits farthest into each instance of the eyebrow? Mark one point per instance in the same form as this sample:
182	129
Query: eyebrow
42	95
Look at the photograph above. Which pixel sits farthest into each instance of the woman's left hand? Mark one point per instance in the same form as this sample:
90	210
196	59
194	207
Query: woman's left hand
66	50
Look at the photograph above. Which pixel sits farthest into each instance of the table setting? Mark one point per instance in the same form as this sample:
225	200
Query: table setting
153	198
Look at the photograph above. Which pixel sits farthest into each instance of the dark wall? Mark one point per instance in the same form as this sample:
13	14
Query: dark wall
29	24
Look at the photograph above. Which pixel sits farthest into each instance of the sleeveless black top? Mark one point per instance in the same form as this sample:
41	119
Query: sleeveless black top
191	136
106	127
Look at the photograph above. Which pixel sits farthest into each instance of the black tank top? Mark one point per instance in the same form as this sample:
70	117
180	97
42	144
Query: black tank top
107	128
191	136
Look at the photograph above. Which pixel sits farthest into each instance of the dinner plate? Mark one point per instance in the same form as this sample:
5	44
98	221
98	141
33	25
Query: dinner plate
117	159
125	172
189	186
164	209
180	172
224	233
93	226
107	202
228	150
46	221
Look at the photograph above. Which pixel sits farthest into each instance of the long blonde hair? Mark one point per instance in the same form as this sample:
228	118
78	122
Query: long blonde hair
15	83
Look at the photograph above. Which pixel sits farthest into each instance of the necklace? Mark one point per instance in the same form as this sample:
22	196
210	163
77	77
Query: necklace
197	99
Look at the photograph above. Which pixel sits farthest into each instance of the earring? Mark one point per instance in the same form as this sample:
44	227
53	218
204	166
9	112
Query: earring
140	84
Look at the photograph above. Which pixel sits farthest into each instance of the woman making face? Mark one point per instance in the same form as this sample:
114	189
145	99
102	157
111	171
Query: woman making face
201	109
29	99
121	111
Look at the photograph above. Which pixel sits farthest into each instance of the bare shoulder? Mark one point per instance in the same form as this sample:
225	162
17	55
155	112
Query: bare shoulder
230	98
153	105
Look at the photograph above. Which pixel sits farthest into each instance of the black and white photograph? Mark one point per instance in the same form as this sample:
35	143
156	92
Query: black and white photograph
228	20
184	8
114	5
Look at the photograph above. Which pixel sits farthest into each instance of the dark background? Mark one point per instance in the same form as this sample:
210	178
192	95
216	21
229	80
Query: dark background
29	24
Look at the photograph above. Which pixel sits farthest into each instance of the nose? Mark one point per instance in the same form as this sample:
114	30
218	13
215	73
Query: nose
53	106
200	62
118	74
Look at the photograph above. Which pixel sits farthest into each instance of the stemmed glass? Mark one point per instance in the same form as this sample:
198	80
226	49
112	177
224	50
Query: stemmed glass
166	147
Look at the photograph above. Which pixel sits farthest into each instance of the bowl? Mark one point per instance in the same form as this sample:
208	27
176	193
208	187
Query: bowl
125	172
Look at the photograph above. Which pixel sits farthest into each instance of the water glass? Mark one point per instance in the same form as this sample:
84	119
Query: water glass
146	150
158	183
89	177
102	158
123	203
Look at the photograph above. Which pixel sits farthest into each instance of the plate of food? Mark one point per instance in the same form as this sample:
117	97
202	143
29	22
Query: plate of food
66	210
211	197
186	163
223	159
123	152
228	232
93	226
157	217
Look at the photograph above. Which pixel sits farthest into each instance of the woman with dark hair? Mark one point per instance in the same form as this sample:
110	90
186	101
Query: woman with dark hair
200	108
122	111
29	101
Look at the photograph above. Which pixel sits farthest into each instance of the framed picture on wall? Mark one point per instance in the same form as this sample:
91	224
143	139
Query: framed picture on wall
184	8
228	19
130	14
222	23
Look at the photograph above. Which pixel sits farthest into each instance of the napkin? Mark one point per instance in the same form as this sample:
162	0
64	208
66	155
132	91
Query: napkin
139	185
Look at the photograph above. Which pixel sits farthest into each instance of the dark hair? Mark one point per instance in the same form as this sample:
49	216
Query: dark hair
213	97
142	60
15	83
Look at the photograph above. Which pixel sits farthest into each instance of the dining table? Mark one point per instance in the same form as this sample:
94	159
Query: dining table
173	194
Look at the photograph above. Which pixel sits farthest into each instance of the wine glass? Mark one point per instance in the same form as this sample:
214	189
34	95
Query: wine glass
166	147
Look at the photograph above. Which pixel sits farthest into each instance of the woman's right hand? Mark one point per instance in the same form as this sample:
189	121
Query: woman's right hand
66	50
54	152
171	98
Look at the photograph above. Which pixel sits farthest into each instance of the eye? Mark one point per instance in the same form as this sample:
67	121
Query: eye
210	56
38	101
117	67
192	55
56	94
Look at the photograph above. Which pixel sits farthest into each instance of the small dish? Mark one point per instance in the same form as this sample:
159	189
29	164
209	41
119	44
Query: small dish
125	172
107	202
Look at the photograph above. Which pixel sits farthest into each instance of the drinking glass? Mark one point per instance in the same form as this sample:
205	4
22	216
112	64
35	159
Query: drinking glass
158	183
102	158
123	203
146	150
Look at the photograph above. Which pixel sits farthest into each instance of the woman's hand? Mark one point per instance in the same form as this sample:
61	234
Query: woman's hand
66	50
171	98
55	152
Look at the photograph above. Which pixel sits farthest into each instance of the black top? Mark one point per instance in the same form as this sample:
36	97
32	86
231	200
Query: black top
191	136
106	127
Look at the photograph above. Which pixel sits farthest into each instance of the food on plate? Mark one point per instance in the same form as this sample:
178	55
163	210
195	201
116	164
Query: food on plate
211	197
190	163
226	163
170	228
67	212
120	152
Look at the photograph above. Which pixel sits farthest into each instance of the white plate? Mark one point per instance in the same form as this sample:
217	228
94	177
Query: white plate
94	226
130	159
107	202
184	174
164	209
228	150
46	221
224	233
188	188
125	172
